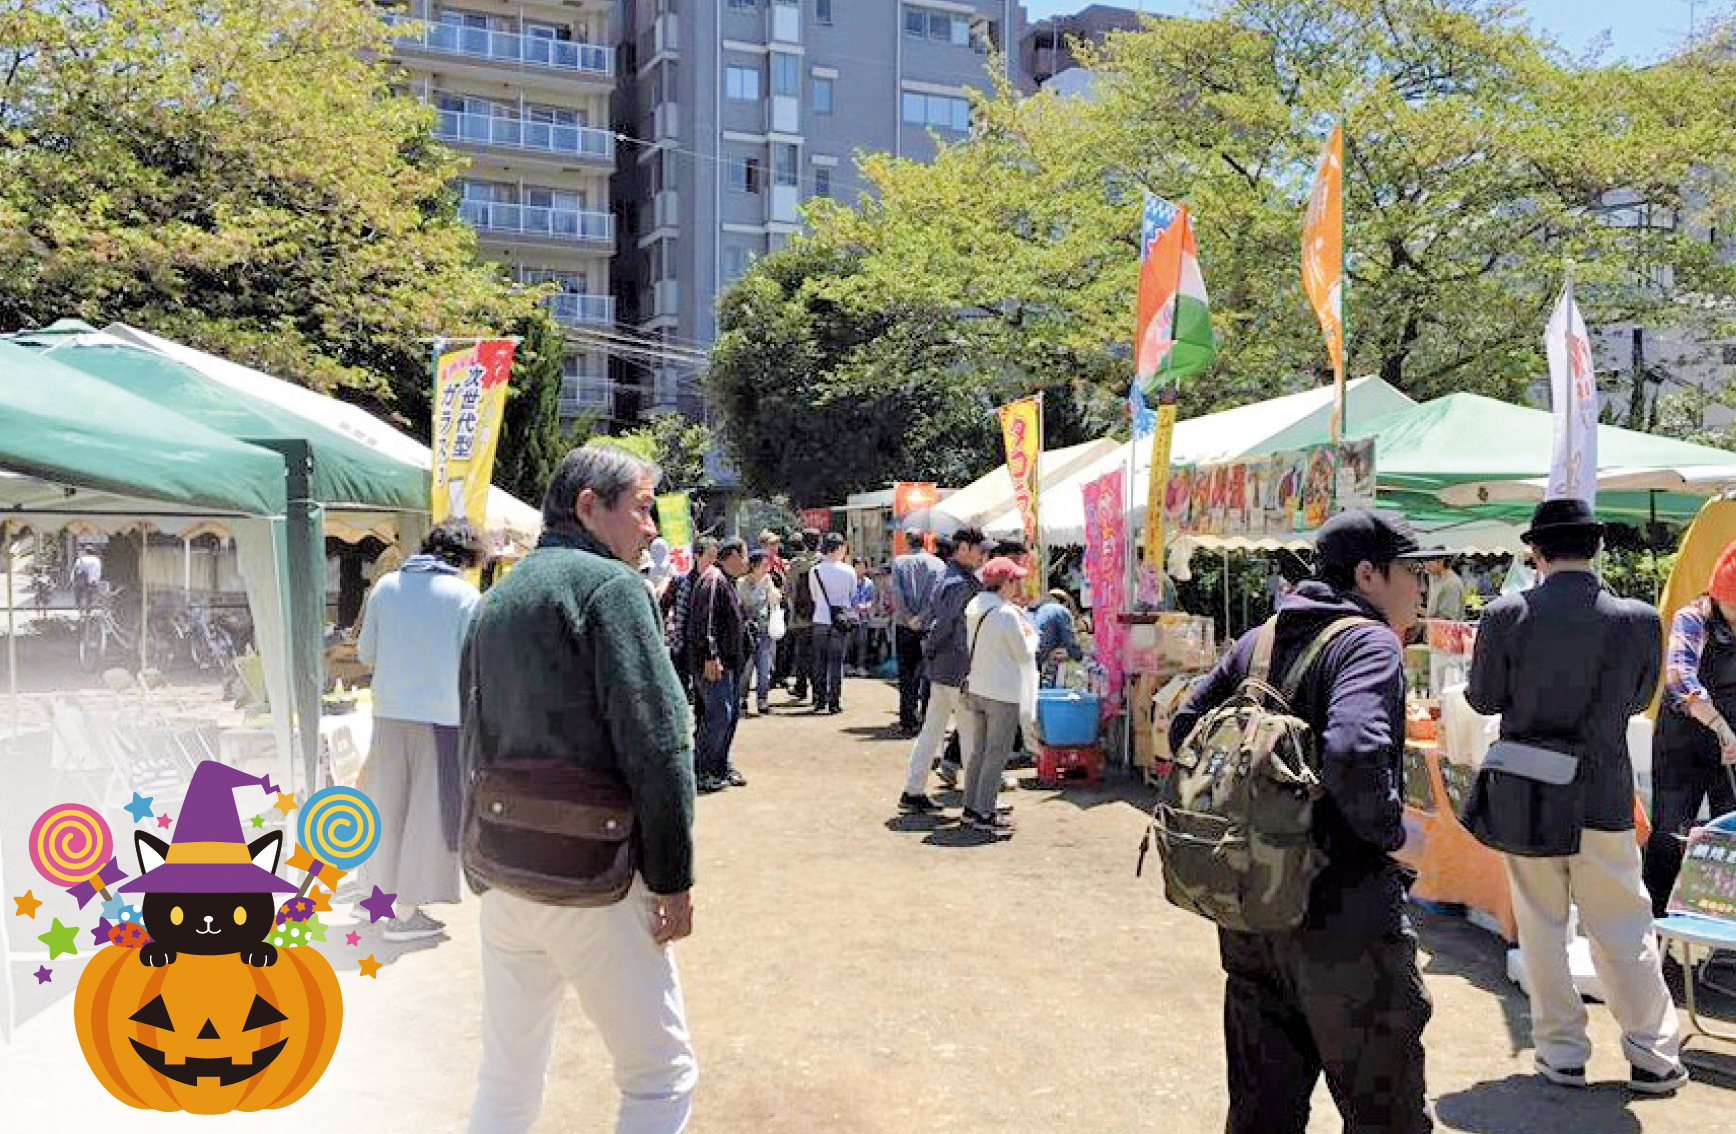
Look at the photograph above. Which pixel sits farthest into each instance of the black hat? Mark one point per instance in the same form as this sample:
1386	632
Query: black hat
1570	515
1359	535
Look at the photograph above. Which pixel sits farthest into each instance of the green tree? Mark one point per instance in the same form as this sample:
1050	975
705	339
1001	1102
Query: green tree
532	441
820	395
676	444
239	175
1480	158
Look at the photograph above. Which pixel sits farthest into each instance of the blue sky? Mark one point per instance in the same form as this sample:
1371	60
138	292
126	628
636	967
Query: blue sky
1638	32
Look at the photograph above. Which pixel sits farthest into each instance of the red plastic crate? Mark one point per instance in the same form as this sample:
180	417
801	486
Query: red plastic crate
1083	762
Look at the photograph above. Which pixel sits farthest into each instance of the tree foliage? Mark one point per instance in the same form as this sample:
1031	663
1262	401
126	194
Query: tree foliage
1480	159
238	175
676	444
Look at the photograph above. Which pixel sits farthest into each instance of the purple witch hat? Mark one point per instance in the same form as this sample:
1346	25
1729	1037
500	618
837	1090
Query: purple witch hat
209	856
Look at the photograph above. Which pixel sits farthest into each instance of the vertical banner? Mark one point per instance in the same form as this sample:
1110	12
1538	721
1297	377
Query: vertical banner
469	401
1323	262
1157	493
1573	395
675	523
1022	433
1105	551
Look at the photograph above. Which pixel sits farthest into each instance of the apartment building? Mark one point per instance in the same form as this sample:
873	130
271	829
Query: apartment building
741	110
523	88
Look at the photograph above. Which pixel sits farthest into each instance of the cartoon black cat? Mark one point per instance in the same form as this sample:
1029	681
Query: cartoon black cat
209	925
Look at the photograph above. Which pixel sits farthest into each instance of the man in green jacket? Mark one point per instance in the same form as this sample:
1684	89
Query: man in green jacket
566	662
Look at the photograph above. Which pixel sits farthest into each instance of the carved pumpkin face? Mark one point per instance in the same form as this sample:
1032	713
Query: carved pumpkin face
208	1035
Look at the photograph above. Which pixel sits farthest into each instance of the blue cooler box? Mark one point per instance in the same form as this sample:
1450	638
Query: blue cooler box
1066	717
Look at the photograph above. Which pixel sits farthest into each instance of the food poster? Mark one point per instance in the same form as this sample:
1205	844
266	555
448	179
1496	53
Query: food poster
1356	484
1318	489
1178	500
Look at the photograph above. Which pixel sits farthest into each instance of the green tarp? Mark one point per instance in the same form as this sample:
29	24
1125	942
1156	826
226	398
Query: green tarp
62	425
1467	438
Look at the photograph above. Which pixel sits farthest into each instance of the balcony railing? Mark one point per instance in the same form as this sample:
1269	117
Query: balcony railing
520	134
575	225
506	47
581	310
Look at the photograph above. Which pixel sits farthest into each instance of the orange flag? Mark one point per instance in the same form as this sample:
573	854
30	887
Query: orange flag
1323	261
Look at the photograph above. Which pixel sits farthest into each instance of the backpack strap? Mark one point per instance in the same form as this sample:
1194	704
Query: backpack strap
1299	670
1260	669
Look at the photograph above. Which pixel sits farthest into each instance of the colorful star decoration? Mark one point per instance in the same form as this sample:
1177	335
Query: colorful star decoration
296	909
285	802
371	967
316	929
43	972
259	820
140	807
353	937
322	901
28	905
379	905
101	932
163	821
129	936
60	939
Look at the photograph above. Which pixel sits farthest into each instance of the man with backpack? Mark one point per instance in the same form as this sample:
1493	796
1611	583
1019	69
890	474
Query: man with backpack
1333	988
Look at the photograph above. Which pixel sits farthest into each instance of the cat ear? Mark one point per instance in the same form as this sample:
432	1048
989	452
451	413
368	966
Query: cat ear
152	851
265	851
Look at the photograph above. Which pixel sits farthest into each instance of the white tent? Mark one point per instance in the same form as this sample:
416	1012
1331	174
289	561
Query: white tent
1294	421
510	520
991	494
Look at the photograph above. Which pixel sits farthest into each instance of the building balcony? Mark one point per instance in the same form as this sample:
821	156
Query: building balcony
581	394
571	310
565	56
586	142
566	226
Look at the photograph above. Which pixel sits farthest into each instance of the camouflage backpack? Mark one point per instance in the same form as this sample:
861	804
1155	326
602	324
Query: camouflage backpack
1235	810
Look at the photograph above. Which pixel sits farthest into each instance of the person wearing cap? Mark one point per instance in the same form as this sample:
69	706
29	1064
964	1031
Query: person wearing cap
915	574
1001	696
1341	993
1565	665
1695	743
412	633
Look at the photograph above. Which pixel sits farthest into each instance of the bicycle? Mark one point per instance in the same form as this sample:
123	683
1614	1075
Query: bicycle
102	631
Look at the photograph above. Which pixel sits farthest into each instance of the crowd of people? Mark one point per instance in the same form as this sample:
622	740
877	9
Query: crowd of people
602	691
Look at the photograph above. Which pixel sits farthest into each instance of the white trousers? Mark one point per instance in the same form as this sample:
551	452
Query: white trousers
627	986
1603	880
943	706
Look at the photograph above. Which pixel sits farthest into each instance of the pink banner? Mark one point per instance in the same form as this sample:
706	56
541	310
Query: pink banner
1105	565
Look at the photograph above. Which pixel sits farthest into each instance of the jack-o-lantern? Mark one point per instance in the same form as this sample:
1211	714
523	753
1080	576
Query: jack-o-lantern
208	1035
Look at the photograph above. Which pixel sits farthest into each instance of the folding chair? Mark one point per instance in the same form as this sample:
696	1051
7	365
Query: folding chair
1702	918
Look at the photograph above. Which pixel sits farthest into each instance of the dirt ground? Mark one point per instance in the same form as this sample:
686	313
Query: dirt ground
856	973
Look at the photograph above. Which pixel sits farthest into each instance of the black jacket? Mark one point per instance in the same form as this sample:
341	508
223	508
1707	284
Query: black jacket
716	626
944	645
1566	664
1353	699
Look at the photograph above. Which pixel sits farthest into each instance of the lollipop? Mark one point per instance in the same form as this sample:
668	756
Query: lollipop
72	847
339	827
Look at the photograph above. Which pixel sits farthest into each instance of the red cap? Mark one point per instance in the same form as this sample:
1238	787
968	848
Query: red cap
1723	584
999	569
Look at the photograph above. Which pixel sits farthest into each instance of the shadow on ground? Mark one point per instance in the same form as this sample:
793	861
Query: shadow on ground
1454	947
1524	1104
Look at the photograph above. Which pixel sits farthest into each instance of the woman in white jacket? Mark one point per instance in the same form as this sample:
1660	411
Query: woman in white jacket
1002	687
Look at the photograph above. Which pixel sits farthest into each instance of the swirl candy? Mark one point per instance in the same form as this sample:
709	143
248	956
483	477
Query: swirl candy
339	827
72	847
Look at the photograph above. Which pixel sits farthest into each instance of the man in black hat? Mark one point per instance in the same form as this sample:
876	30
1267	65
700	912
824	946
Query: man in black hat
1565	665
1340	994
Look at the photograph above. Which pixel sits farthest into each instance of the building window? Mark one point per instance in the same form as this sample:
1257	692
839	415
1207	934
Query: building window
1729	354
744	175
785	168
786	74
736	260
742	84
943	112
822	95
943	27
743	5
822	181
823	12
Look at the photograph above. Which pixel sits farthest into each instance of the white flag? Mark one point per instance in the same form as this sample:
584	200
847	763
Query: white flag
1573	394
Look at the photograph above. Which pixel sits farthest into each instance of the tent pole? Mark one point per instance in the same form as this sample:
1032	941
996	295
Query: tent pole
187	565
1227	630
11	626
144	600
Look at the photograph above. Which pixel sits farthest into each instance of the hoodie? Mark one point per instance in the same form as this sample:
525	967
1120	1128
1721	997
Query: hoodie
412	635
1353	699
